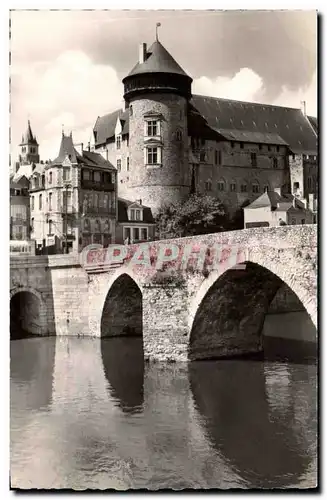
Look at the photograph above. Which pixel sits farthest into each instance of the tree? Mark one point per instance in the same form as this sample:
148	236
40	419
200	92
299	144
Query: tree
237	221
197	215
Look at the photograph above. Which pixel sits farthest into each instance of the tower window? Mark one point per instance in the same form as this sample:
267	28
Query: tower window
152	128
119	165
253	159
50	227
66	173
118	142
50	202
152	156
127	164
233	187
40	202
221	186
275	164
131	110
50	177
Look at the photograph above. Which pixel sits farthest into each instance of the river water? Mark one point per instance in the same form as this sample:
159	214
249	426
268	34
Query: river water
88	413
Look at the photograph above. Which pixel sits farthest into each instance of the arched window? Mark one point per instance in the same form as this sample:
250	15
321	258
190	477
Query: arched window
97	226
221	185
244	187
255	187
50	177
208	185
233	186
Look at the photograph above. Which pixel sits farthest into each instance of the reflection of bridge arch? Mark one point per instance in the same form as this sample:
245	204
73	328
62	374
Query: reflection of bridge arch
28	312
228	312
259	441
122	308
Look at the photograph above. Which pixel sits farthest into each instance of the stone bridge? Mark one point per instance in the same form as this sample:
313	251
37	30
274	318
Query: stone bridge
191	298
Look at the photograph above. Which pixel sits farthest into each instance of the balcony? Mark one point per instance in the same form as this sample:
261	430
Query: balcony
97	186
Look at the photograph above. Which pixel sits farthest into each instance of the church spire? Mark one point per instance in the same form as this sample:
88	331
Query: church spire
28	137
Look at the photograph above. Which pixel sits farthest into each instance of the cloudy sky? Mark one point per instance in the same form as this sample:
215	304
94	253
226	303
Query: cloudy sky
67	66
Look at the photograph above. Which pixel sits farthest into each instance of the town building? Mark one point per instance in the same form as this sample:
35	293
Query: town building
168	143
274	209
19	209
135	222
73	200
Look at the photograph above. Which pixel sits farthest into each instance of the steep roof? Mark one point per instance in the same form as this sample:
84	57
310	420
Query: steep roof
275	201
123	205
288	123
314	123
213	117
66	149
28	137
158	60
105	125
92	159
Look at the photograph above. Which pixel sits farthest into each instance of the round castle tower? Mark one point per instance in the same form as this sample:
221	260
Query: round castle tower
156	92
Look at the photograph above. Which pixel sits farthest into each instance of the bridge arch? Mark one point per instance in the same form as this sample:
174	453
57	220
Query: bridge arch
240	300
28	312
121	312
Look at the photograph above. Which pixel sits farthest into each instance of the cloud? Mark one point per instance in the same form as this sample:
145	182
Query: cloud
245	85
72	91
292	98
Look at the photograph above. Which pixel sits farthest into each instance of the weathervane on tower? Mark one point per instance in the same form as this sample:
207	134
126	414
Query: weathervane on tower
157	26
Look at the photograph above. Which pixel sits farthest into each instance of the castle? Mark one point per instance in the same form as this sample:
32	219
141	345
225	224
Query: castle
167	143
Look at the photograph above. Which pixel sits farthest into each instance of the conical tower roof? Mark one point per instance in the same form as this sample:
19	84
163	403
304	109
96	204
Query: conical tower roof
158	60
66	149
28	137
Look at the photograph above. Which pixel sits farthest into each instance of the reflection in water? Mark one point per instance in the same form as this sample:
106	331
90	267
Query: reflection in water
124	369
254	432
113	423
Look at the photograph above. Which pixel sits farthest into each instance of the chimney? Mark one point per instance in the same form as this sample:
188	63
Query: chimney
79	148
140	202
304	108
142	53
277	190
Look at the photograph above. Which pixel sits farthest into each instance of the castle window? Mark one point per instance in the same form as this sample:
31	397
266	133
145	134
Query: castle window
152	128
152	155
97	226
255	188
118	142
127	163
275	163
32	224
202	156
221	186
208	185
178	135
131	110
253	159
233	187
32	200
244	188
50	228
309	182
40	202
119	165
218	157
50	177
50	202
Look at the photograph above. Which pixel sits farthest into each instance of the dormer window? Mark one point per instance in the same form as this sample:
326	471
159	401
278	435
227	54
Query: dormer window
118	142
135	214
